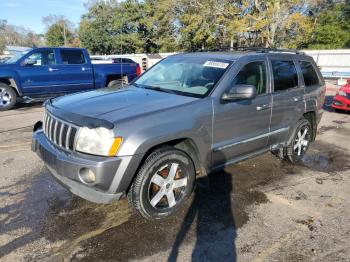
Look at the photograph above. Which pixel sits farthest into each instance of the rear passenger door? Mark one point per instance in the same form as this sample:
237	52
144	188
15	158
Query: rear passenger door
288	98
75	72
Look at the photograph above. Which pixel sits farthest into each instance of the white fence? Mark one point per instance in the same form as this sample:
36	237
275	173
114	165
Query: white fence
334	64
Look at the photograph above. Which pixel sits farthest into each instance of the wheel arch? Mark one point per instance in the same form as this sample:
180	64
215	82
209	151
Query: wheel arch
186	145
11	83
311	117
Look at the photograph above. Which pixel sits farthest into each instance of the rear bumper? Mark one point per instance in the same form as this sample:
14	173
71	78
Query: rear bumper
111	172
341	102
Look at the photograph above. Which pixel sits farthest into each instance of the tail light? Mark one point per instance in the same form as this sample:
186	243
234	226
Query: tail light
138	70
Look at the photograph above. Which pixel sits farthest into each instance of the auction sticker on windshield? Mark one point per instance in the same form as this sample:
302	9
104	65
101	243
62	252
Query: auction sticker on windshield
216	64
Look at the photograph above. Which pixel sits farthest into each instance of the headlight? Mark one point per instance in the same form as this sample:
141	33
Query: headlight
341	93
98	141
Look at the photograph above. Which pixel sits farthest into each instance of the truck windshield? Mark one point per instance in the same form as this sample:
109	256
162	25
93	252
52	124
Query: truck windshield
16	57
189	76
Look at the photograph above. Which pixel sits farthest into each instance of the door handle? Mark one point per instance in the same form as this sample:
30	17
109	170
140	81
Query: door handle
296	99
262	107
85	68
53	69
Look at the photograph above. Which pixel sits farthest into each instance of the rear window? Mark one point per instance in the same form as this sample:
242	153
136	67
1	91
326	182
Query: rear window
72	57
284	75
309	73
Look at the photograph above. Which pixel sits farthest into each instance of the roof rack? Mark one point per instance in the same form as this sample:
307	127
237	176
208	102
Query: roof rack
256	49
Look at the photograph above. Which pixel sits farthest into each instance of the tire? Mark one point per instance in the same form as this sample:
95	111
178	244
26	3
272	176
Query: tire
8	97
300	142
154	194
338	110
118	82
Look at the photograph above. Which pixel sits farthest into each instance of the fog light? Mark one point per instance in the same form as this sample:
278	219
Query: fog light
86	175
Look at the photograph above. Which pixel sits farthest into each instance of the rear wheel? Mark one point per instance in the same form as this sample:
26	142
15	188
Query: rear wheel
8	97
301	141
299	144
162	184
118	82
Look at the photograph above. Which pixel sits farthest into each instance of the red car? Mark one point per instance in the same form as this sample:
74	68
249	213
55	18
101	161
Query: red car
341	101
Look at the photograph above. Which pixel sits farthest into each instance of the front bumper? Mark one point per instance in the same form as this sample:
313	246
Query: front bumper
112	173
341	102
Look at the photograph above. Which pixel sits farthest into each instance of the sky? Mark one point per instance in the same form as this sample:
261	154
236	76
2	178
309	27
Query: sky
29	13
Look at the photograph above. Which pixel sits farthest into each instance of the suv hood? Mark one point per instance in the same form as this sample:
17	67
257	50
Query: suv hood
113	105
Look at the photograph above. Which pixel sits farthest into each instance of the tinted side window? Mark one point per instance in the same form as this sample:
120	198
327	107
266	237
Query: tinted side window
43	58
309	74
284	75
72	57
253	73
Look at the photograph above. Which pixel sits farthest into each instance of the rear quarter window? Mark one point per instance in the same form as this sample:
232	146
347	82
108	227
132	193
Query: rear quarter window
72	57
309	73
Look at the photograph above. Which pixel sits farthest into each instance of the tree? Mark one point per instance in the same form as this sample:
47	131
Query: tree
16	35
2	37
96	29
60	31
332	27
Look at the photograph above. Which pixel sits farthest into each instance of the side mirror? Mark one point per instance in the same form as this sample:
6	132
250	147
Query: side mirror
29	62
239	92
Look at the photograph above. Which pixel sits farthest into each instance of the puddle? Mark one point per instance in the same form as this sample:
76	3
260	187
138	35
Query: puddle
327	158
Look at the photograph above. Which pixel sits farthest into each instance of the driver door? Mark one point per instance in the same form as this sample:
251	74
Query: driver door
242	127
41	76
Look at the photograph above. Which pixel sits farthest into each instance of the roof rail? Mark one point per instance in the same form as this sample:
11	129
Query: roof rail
256	49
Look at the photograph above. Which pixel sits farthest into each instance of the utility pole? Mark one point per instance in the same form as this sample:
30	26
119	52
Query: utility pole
64	33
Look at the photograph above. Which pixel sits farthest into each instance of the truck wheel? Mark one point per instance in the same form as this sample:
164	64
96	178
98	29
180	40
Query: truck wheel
163	183
118	82
8	97
300	141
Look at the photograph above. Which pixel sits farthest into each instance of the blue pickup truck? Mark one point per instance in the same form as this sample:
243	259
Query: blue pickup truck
42	73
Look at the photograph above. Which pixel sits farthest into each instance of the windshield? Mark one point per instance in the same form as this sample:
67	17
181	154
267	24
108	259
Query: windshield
190	76
16	57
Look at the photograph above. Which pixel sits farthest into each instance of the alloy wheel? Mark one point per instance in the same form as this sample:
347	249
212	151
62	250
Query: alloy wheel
5	97
167	186
301	141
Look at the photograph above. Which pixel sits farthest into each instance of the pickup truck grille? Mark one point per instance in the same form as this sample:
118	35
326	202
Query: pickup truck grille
59	132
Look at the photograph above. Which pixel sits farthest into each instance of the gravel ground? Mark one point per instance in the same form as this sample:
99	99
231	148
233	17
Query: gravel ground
258	210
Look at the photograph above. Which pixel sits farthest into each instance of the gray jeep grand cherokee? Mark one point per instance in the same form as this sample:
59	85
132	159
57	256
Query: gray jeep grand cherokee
187	115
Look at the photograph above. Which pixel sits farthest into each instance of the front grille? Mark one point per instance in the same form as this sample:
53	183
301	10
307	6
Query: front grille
59	132
348	95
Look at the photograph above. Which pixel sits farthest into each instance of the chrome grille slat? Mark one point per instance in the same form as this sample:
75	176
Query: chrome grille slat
60	135
50	128
67	137
59	132
55	132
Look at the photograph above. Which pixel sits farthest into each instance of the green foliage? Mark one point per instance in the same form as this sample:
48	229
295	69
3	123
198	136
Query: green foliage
56	34
133	26
333	28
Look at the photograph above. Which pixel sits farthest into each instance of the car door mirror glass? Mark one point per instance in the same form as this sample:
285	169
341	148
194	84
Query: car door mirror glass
239	92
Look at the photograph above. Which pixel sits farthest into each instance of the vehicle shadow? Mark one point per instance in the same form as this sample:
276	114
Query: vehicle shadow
214	221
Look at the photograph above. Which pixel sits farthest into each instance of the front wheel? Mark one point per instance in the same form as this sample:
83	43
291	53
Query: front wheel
163	183
8	97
